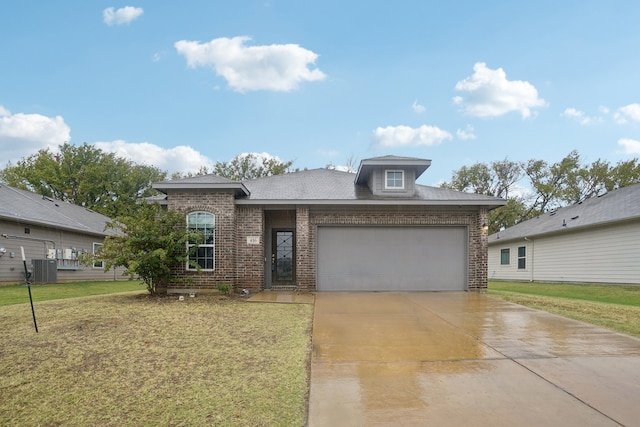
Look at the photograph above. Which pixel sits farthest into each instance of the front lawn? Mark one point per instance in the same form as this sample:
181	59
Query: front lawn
18	294
612	306
132	359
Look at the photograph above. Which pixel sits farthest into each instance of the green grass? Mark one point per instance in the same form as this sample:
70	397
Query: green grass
133	359
613	294
18	294
612	306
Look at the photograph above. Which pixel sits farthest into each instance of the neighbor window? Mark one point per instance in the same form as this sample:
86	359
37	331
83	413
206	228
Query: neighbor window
203	256
96	250
522	257
505	256
394	179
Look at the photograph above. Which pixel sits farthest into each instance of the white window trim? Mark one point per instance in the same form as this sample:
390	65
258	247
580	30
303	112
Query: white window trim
212	245
97	264
508	263
386	181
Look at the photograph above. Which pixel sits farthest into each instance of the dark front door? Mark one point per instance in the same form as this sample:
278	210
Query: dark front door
283	257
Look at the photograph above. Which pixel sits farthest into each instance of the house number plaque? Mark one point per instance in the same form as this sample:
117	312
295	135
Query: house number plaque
253	240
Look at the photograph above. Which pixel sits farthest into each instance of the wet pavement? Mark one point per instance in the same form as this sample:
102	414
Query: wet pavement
452	359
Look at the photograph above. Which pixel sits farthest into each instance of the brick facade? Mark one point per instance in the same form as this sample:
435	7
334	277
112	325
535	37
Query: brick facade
222	205
240	238
250	248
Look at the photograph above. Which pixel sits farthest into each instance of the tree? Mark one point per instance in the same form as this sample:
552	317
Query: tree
550	186
250	166
497	179
85	176
149	245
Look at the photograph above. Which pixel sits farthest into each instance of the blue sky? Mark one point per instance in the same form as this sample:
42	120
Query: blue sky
184	84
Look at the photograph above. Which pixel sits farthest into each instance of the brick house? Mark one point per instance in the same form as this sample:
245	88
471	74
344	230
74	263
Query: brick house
327	230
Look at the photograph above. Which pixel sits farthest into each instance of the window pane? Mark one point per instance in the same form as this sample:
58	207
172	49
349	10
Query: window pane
505	256
394	179
522	257
204	255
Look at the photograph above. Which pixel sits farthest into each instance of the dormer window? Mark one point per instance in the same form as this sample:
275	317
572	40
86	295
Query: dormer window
394	180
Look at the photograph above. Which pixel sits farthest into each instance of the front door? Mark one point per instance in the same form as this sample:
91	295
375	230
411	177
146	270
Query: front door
283	257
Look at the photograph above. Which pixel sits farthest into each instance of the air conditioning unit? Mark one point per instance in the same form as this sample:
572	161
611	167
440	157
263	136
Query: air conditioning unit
44	271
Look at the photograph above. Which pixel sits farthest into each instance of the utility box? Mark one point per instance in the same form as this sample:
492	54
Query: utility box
44	271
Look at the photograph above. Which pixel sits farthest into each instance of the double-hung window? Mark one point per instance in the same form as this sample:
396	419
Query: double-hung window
394	180
522	257
204	222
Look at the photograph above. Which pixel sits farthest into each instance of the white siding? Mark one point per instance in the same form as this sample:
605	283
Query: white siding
510	271
598	255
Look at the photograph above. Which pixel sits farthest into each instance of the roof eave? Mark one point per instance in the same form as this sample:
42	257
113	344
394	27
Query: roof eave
355	202
168	186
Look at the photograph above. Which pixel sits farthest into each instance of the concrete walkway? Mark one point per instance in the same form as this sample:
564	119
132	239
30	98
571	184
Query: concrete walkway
463	359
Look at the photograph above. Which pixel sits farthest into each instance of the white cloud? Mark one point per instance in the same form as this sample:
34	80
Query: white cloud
418	108
581	117
630	146
277	67
24	134
466	134
490	94
626	113
124	15
177	159
604	110
401	136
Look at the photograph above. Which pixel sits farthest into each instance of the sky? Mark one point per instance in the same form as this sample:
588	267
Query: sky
180	85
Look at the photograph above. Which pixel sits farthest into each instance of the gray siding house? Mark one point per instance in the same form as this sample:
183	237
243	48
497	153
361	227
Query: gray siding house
53	234
327	230
596	241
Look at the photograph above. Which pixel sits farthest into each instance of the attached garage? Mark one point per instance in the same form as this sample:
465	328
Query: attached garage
392	258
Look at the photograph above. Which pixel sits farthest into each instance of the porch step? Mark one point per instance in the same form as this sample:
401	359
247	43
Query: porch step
284	288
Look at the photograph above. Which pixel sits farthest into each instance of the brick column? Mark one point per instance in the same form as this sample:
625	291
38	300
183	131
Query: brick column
304	274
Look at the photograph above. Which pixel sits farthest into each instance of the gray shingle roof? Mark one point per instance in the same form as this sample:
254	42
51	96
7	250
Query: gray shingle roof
618	205
332	186
32	208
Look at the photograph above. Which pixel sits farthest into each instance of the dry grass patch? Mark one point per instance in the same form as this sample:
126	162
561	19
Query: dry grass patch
131	359
620	318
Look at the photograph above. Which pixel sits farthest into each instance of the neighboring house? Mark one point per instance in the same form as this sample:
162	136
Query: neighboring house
326	230
595	241
52	234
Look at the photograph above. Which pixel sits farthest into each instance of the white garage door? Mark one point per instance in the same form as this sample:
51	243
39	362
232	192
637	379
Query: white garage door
370	258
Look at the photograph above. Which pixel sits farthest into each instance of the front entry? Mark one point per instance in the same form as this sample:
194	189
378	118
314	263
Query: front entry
283	257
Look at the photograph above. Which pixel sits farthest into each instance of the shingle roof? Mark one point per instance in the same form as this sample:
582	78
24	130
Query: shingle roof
332	186
618	205
28	207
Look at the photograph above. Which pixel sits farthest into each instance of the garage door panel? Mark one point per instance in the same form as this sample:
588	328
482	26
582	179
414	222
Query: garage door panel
392	258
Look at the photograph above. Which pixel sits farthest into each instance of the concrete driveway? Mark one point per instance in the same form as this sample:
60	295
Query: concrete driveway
456	359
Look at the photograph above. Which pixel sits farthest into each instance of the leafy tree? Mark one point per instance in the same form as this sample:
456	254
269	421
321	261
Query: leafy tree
149	245
251	166
551	186
497	179
85	176
244	166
